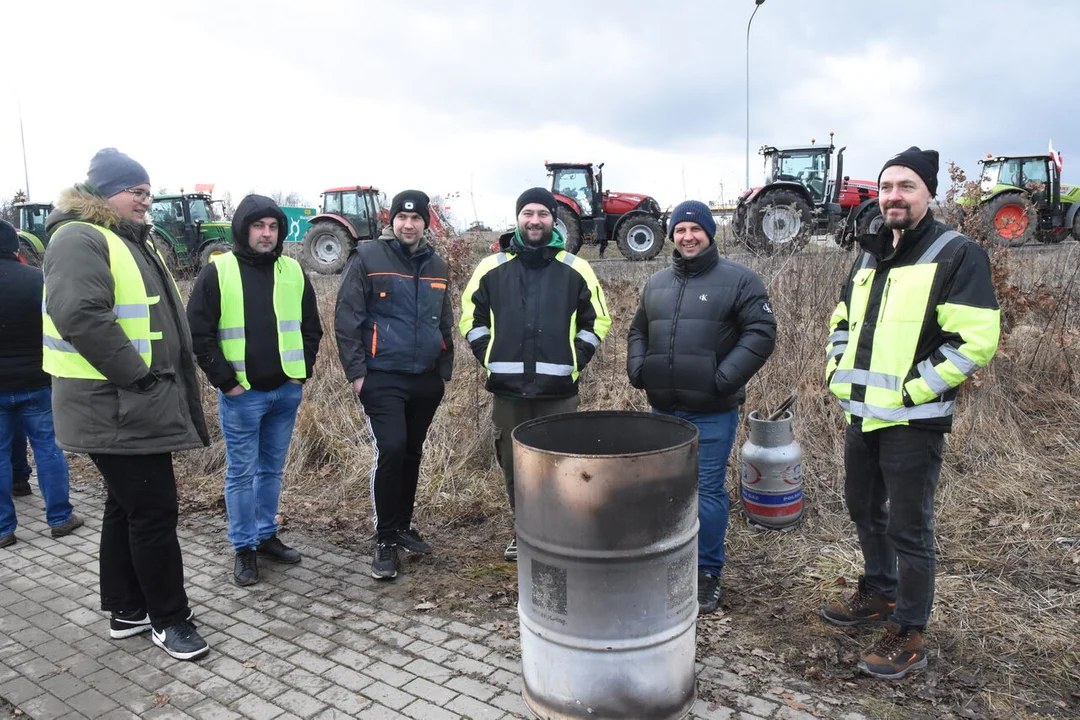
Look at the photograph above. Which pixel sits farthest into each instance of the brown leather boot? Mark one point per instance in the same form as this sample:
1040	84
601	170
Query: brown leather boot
899	651
862	607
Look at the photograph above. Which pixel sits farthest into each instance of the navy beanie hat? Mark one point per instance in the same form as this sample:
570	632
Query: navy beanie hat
111	171
923	162
536	195
411	201
692	211
9	239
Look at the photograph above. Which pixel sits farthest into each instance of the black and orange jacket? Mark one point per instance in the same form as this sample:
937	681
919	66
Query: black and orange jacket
393	311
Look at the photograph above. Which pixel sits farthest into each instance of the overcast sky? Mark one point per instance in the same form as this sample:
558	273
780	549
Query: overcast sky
472	97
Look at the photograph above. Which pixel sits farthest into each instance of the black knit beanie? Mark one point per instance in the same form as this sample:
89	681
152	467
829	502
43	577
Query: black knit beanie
413	201
9	239
923	162
536	195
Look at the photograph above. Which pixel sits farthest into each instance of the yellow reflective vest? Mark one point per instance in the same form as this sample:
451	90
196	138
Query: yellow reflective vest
131	305
288	301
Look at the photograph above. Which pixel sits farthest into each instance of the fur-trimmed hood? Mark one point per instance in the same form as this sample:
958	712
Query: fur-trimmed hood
81	203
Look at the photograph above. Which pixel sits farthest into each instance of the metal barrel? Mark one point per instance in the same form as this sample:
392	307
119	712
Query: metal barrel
772	483
607	564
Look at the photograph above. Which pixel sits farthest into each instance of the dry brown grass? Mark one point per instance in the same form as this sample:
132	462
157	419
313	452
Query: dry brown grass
1005	624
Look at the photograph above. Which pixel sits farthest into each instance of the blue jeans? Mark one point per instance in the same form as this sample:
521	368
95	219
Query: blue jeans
257	427
716	435
33	410
20	464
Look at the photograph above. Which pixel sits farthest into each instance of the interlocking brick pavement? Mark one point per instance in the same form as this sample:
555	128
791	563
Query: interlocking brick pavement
317	640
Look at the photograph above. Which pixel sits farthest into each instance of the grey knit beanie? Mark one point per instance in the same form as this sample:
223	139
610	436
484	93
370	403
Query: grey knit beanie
111	171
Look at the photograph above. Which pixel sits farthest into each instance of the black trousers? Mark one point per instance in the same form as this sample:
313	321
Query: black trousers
900	465
400	409
140	561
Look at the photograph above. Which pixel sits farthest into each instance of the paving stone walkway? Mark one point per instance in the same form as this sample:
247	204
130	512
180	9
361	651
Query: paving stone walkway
316	640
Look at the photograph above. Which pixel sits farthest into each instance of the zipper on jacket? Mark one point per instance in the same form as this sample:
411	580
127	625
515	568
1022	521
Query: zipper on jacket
674	324
885	297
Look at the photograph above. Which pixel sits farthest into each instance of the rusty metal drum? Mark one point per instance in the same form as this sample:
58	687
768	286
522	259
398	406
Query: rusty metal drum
607	564
772	482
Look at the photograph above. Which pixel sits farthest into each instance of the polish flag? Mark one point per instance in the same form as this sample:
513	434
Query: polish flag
1055	156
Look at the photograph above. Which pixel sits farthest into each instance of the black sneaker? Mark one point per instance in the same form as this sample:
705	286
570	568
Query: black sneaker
8	540
510	554
384	565
410	540
273	549
246	568
20	489
129	623
708	592
181	640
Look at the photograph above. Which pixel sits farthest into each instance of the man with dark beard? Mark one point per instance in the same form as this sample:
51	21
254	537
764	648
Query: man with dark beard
916	318
533	315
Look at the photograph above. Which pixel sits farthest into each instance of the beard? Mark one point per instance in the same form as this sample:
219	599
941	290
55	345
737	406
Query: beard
544	239
904	223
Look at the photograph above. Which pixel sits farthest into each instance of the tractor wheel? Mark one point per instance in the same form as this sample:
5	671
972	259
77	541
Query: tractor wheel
870	222
165	249
1076	227
640	237
1009	219
327	246
211	251
569	226
779	222
29	253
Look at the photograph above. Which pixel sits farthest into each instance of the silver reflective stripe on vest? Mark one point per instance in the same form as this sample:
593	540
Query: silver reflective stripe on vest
919	412
507	368
238	365
929	373
236	333
568	259
962	362
292	355
868	378
934	250
836	350
501	258
866	261
142	345
57	344
135	310
543	368
588	337
477	333
289	326
839	336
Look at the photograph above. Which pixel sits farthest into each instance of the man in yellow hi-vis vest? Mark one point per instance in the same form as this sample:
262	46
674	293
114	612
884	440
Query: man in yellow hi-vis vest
125	390
916	318
256	331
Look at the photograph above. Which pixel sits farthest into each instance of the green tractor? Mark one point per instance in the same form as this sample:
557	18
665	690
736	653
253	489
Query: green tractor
190	229
1022	199
30	225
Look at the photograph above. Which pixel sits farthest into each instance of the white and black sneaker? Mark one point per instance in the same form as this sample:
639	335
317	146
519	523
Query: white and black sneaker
385	562
510	554
708	592
181	640
129	623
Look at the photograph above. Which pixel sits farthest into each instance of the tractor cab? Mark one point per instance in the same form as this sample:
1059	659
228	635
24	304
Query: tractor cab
185	217
1036	174
807	166
577	182
359	206
32	217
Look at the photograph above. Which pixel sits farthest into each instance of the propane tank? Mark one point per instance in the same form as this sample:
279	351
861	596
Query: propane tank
771	486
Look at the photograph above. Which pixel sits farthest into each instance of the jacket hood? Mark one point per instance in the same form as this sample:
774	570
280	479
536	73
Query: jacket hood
84	203
250	209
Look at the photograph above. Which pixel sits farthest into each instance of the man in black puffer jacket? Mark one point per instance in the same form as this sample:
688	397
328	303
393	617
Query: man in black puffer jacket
703	327
255	330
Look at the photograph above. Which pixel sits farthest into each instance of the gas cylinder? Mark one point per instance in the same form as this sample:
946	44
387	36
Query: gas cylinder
772	483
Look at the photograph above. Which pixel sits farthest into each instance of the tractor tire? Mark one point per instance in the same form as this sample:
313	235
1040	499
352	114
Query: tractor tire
30	254
327	246
1076	227
1009	219
569	226
870	222
780	221
212	250
640	237
165	249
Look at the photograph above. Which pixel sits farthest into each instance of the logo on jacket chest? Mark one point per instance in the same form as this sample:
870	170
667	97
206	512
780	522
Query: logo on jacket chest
704	297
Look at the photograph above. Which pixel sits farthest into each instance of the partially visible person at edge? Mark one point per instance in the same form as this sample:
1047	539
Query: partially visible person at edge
395	334
702	329
916	318
125	391
26	398
255	330
534	316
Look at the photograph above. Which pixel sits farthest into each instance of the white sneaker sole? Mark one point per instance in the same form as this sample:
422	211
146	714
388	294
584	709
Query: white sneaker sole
179	655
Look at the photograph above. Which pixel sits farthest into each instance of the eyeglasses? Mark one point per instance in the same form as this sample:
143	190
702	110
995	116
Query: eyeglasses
140	195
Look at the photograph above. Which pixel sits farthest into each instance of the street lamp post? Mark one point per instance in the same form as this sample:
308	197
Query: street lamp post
757	4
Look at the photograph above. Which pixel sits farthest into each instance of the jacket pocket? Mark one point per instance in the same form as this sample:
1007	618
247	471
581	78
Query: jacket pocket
156	413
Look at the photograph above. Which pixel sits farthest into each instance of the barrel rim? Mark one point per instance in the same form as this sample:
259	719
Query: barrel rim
755	416
671	419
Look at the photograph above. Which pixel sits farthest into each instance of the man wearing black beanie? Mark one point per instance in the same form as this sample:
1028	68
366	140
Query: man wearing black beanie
533	316
916	318
394	324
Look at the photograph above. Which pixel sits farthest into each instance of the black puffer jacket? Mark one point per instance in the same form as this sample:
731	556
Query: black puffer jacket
261	354
703	327
20	325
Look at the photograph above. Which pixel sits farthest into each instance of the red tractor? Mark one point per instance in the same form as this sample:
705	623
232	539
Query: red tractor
348	216
801	198
588	214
